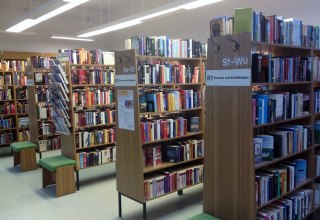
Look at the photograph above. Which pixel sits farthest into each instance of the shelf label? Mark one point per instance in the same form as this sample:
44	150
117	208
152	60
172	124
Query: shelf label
126	80
228	77
125	109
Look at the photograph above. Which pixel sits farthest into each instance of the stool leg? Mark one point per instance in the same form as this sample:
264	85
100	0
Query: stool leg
65	181
28	159
16	158
47	178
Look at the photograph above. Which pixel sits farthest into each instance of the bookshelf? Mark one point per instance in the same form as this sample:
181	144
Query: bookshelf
91	112
13	66
146	105
233	178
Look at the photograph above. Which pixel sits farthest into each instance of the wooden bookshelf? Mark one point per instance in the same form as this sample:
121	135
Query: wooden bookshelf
71	143
40	111
132	174
230	174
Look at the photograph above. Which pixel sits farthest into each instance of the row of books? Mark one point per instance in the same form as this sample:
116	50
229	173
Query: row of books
6	138
94	117
159	129
160	72
96	137
50	144
21	93
317	159
96	157
7	109
316	69
317	193
5	94
6	123
172	181
22	108
92	76
316	97
43	111
41	94
41	78
284	141
297	205
23	122
274	106
15	65
166	47
82	56
276	181
92	96
174	153
20	78
170	100
46	128
39	62
5	80
24	135
266	68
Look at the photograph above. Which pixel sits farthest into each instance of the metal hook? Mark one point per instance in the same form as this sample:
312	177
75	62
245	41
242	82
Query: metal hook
217	46
237	45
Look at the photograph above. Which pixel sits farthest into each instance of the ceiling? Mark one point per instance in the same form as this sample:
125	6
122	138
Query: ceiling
187	24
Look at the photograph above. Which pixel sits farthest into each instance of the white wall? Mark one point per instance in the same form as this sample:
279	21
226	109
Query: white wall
188	24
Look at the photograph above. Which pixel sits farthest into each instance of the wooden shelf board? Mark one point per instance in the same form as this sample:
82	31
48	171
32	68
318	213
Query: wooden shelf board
170	112
267	163
6	85
102	105
167	58
7	115
281	83
258	43
48	150
97	145
282	121
7	129
166	164
92	85
9	100
189	134
96	165
309	180
48	135
91	65
170	84
2	145
94	126
173	191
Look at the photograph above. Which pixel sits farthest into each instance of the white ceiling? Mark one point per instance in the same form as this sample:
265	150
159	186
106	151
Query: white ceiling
187	24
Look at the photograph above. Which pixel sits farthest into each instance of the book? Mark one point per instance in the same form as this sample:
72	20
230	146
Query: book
154	156
257	143
218	26
194	124
242	20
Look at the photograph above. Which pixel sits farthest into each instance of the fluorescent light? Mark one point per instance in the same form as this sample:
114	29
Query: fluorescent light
111	28
22	25
52	7
145	15
64	37
198	3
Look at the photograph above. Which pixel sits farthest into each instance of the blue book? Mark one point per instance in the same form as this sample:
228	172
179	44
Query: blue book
152	102
300	171
267	146
262	111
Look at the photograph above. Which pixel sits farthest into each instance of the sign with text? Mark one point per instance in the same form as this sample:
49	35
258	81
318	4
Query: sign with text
126	80
228	77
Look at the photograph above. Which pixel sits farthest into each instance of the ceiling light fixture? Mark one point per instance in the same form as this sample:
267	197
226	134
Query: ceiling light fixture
65	37
145	15
46	11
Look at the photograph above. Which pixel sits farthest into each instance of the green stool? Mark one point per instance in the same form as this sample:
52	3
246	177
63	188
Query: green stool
24	153
59	170
203	216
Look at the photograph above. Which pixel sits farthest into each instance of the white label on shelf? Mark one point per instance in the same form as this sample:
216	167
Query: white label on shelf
126	80
229	77
126	109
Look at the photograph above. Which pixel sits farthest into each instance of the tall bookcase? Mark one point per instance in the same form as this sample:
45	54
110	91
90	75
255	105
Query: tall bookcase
42	131
13	65
91	113
232	177
142	137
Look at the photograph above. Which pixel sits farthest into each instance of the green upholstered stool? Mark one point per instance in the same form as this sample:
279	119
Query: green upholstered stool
59	170
203	216
24	153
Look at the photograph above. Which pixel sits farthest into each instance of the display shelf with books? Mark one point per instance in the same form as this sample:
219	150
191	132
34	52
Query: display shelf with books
160	125
42	131
270	91
90	108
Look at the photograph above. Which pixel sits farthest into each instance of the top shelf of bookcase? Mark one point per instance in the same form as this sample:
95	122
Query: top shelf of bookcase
143	57
91	65
275	45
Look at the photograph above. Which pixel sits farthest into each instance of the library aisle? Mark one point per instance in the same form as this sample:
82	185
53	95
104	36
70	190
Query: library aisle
22	197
